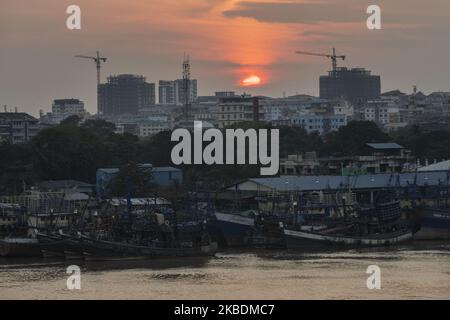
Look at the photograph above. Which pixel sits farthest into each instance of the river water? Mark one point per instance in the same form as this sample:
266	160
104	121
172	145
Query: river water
415	271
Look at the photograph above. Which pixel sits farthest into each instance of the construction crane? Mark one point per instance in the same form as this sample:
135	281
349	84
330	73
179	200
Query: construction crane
98	62
332	56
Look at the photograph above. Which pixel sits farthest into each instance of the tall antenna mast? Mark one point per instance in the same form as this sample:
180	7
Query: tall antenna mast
186	87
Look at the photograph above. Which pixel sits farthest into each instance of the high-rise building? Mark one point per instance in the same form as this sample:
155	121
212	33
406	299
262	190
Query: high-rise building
167	92
172	92
125	94
356	85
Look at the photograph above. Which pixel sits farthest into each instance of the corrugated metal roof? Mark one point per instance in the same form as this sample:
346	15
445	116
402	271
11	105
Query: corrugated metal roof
444	165
312	183
109	170
165	169
381	146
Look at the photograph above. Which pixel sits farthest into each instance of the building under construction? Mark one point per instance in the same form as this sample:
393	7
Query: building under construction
125	94
357	85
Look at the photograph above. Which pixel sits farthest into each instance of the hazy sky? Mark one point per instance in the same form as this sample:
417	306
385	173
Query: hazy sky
227	40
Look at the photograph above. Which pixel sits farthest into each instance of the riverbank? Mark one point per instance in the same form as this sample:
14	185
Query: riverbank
415	271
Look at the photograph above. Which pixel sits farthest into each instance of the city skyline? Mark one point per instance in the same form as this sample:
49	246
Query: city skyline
228	41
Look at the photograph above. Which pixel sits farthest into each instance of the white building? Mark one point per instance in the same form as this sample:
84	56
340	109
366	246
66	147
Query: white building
381	112
282	108
65	107
232	110
17	127
151	128
321	124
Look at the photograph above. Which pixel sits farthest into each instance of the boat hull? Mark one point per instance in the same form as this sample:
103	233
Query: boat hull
19	248
435	225
308	240
231	230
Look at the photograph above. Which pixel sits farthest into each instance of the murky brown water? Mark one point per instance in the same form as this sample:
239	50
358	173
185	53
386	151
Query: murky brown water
410	272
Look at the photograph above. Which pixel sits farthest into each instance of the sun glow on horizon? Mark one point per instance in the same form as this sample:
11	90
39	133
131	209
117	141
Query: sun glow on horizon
250	81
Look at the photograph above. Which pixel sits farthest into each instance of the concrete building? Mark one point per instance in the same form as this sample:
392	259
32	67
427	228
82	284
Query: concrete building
167	92
125	94
150	128
321	124
64	107
17	127
356	85
172	92
64	186
377	158
162	176
283	108
225	94
381	112
300	164
232	110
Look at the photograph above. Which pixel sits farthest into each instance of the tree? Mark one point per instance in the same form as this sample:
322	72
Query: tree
351	139
100	126
132	179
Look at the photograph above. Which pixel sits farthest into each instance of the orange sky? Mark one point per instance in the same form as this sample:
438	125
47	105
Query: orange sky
227	40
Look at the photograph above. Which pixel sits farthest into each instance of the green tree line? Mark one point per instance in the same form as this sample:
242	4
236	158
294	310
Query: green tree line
75	151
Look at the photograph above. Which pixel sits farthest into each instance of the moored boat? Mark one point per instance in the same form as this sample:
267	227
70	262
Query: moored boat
107	250
19	247
233	229
311	240
435	225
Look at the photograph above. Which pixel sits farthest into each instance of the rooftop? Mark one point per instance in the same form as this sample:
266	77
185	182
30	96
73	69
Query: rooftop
384	146
16	115
165	169
377	181
444	165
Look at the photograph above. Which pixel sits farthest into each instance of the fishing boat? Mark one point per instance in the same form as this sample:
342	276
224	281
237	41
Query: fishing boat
19	247
99	250
12	218
301	239
60	245
233	229
375	225
435	224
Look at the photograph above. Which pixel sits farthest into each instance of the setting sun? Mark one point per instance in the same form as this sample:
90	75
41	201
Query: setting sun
251	81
